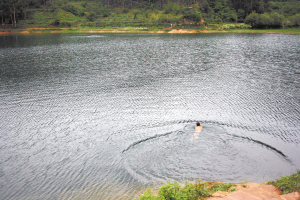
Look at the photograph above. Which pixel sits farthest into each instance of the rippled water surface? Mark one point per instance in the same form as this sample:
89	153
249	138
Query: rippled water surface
103	116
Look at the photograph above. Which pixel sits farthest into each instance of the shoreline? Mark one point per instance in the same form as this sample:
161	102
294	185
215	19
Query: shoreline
287	187
34	30
41	30
240	190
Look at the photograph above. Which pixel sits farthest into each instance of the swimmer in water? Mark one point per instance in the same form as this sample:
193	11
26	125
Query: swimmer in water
198	127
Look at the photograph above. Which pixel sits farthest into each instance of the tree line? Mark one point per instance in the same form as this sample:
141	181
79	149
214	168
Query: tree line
258	13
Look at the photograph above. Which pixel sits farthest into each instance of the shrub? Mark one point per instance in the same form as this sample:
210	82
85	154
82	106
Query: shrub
273	20
64	24
252	19
148	195
192	15
276	20
288	184
295	20
91	17
169	190
55	22
198	190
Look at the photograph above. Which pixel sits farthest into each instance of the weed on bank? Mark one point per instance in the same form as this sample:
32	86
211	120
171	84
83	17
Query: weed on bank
288	184
198	190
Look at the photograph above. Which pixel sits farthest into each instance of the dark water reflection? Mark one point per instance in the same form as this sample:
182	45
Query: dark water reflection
100	116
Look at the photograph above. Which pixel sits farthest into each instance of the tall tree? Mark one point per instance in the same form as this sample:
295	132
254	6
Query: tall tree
2	5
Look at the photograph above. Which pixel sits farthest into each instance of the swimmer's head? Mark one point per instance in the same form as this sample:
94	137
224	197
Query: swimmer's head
198	123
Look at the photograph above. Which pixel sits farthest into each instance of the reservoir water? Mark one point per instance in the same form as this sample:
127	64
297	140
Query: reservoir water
103	116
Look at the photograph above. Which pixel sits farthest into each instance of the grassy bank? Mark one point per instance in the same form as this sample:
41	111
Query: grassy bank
196	190
200	190
288	184
294	31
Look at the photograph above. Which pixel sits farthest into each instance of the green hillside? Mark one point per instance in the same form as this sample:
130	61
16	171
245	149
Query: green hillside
150	13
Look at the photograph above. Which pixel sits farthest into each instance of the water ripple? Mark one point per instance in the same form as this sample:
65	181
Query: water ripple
101	116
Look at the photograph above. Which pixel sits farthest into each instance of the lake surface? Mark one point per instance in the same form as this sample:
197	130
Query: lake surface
103	116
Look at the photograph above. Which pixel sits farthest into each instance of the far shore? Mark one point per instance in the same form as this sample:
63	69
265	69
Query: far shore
39	30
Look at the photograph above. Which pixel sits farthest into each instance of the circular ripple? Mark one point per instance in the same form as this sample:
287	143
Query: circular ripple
213	154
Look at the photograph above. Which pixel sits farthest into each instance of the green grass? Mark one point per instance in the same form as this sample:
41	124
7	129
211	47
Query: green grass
198	190
288	184
235	26
295	31
42	18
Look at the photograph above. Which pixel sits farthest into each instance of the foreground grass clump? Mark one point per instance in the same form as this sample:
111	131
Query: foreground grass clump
288	184
198	190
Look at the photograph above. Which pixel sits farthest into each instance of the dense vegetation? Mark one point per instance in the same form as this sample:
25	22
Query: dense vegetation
149	13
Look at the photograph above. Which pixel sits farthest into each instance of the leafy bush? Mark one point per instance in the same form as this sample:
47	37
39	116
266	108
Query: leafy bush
169	190
252	19
276	20
55	22
91	17
295	20
273	20
192	15
148	195
288	184
173	191
64	24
